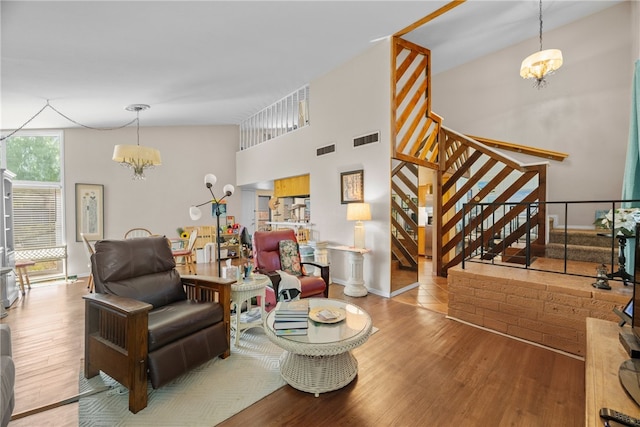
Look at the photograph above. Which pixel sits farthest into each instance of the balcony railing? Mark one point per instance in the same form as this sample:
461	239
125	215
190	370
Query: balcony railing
281	117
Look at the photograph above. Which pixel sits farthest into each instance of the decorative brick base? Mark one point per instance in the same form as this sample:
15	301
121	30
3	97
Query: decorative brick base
545	308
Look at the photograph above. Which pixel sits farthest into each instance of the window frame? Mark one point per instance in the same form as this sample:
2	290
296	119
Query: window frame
60	185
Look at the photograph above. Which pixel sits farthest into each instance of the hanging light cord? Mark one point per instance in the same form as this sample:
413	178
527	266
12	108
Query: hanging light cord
48	105
138	126
540	25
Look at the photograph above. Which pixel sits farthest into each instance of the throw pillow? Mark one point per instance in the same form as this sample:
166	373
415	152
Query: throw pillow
290	257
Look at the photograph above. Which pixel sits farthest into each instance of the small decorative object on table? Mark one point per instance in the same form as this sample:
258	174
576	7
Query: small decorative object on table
327	314
602	282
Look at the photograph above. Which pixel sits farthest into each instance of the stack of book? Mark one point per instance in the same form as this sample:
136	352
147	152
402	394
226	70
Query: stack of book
291	318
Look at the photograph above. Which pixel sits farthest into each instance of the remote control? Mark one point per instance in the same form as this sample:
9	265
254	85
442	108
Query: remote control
619	417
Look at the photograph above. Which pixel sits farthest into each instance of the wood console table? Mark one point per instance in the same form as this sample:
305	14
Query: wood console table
602	386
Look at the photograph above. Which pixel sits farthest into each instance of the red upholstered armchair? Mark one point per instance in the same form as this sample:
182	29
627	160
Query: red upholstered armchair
266	260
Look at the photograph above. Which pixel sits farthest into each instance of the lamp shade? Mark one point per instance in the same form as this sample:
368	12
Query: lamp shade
137	154
195	213
358	212
228	190
541	63
210	180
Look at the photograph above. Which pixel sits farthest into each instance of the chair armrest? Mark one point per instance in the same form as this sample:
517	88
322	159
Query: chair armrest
5	340
215	289
115	339
122	305
324	273
274	277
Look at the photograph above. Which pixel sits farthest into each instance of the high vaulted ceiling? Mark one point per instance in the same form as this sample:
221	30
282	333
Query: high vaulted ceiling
219	62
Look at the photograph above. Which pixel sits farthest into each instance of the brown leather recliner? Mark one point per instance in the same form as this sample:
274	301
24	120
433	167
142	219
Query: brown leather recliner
266	260
144	318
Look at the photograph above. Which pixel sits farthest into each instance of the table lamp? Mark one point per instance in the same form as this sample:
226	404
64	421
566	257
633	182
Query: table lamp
358	212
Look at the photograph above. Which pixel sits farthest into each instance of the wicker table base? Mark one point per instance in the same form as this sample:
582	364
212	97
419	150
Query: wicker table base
318	374
321	361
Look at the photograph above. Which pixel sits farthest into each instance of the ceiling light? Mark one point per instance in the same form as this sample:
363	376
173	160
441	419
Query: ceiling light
540	64
137	157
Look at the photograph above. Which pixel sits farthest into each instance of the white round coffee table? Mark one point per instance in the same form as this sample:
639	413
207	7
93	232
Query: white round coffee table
243	290
321	361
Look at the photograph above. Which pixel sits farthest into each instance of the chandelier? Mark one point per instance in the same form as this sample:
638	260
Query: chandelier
540	64
137	157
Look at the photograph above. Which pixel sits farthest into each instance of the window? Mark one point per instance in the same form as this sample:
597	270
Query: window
36	159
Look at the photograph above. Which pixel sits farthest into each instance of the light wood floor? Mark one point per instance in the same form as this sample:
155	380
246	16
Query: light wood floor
419	369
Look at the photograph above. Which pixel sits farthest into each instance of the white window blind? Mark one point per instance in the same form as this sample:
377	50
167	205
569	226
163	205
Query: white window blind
37	213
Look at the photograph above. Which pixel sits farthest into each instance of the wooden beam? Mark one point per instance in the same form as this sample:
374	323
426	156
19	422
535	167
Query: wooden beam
532	151
444	9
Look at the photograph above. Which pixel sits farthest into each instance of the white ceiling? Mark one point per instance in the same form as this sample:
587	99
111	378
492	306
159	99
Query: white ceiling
219	62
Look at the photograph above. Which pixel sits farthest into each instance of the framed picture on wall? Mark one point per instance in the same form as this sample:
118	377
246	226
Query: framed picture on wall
89	211
223	208
352	187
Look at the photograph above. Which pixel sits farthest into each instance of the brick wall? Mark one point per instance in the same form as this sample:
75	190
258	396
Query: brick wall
546	308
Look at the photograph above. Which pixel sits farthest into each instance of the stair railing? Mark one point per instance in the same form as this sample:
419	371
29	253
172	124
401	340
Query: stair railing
492	234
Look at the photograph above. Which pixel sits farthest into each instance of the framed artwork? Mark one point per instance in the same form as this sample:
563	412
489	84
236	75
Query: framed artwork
223	208
352	187
89	211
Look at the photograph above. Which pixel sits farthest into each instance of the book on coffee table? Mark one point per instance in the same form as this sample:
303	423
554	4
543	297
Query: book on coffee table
279	325
300	307
285	332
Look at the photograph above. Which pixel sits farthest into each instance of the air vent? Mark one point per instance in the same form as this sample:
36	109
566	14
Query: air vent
366	139
326	150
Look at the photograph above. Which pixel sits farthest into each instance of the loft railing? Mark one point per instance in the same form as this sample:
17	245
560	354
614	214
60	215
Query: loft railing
281	117
579	241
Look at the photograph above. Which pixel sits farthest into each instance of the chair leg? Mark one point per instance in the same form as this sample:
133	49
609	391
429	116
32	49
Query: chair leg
188	260
90	283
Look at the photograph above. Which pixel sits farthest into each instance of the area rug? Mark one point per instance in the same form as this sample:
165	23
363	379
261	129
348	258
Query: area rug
204	396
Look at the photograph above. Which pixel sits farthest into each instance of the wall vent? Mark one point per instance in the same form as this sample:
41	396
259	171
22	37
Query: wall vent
326	150
366	139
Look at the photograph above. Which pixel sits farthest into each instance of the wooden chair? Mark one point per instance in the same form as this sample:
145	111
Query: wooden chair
187	253
145	321
137	232
91	252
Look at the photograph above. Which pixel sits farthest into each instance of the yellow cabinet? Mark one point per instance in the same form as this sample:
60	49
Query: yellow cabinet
290	187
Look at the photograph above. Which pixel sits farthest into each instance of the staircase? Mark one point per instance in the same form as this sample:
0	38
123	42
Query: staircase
582	245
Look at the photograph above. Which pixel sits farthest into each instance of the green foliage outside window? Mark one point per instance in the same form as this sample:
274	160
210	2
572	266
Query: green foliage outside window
34	158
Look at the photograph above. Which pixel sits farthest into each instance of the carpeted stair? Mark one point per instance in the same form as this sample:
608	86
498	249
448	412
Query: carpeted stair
582	245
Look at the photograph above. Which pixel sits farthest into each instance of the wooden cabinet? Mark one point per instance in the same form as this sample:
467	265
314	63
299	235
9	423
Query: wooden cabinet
290	187
604	355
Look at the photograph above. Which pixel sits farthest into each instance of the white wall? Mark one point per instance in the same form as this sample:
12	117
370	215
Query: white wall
349	101
584	110
159	203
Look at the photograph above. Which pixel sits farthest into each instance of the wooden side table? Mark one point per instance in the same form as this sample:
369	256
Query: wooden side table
23	275
242	291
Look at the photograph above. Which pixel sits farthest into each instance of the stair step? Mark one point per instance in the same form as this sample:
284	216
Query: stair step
581	237
595	254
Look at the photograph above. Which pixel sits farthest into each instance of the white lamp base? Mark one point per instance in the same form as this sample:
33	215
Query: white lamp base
358	235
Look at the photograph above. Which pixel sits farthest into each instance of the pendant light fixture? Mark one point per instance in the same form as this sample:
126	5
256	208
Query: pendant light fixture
540	64
137	157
